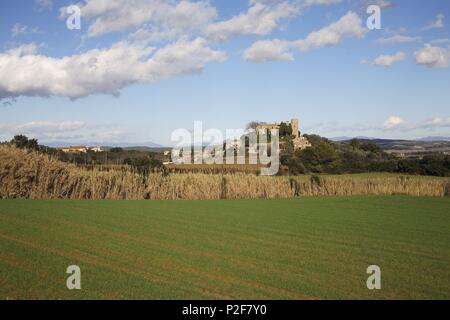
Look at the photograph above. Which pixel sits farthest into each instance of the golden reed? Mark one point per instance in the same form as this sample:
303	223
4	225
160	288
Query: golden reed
31	175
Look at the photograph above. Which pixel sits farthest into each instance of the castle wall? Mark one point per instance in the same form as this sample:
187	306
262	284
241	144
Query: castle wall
298	141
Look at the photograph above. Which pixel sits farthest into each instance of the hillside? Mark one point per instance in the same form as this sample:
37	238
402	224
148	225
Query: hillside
407	148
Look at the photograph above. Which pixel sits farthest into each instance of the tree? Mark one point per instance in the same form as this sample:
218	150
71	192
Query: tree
315	139
144	165
285	130
354	143
296	166
369	146
253	124
21	141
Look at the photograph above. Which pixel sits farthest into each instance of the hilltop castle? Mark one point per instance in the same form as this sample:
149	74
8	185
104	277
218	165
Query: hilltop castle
298	141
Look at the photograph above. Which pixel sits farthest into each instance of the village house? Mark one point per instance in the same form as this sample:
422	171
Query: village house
74	149
80	149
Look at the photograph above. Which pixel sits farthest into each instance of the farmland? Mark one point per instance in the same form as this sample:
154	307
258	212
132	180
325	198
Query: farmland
302	248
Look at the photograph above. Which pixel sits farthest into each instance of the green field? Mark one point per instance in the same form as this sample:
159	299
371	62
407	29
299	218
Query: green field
308	248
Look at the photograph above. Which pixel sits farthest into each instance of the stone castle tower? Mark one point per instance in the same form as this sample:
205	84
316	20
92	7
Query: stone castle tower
294	126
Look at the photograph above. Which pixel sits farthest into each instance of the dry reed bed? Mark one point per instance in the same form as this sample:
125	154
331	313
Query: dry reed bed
28	174
244	186
214	168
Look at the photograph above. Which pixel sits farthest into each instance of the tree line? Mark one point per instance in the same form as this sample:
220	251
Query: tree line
326	156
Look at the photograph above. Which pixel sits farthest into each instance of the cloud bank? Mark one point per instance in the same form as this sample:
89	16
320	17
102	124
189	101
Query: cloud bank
262	17
389	60
107	71
433	57
348	26
66	131
398	39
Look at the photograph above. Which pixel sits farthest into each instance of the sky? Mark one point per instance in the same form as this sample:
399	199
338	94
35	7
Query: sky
136	70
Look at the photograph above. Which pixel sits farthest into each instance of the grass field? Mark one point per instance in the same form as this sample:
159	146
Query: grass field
305	248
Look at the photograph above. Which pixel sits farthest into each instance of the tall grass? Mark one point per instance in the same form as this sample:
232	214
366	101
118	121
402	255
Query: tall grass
28	174
214	168
239	186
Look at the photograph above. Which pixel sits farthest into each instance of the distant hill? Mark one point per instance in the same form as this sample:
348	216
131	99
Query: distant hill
436	138
141	148
345	138
128	145
424	139
422	146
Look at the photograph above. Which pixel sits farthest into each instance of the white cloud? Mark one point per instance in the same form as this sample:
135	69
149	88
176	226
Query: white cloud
47	126
383	4
152	34
265	51
39	129
300	2
398	39
440	41
349	25
98	71
388	60
18	29
158	20
393	122
437	23
437	122
160	16
68	131
433	57
260	19
23	50
170	21
21	29
267	2
316	2
45	4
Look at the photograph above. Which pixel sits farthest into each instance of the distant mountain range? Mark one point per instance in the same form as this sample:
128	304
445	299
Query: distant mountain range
417	147
436	138
127	145
425	139
345	138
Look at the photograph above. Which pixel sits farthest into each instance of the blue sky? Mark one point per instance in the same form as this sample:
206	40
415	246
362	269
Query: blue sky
125	77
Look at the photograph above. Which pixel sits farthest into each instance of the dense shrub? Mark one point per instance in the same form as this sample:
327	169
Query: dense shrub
326	156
